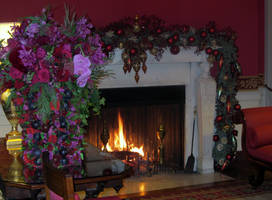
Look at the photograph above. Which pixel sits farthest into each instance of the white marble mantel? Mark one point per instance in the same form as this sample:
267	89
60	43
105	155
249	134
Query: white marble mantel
189	69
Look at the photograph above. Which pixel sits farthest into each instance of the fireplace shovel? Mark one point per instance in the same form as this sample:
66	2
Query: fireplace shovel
189	168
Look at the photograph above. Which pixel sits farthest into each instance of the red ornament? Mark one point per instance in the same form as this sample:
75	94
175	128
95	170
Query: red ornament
237	107
159	31
109	48
132	51
209	50
170	40
175	49
215	138
219	118
119	32
203	34
191	39
228	157
215	52
212	30
235	132
176	37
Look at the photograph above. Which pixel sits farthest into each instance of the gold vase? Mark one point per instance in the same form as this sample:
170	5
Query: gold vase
14	138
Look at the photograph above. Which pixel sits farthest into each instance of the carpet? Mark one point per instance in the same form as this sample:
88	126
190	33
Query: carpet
213	191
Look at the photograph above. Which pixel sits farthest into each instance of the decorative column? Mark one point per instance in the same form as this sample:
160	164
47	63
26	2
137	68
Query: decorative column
206	94
268	50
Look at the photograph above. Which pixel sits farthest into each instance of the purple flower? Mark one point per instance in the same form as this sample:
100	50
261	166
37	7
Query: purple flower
28	57
98	57
32	29
83	28
83	78
81	64
40	53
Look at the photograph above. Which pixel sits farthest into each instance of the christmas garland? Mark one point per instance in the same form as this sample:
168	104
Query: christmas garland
138	35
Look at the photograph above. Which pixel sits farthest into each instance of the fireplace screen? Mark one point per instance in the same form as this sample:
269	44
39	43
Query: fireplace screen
146	120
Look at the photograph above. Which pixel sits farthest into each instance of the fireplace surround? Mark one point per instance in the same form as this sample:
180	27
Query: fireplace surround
188	69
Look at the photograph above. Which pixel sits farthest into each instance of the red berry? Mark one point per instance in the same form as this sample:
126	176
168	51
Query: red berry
109	48
119	32
159	30
174	49
219	118
215	52
191	39
176	37
170	40
132	51
215	138
228	157
209	50
211	30
203	34
237	106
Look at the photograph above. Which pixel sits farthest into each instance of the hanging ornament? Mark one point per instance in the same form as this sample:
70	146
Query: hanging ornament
228	157
226	128
121	45
221	62
170	40
119	32
144	68
225	164
220	147
125	68
191	39
174	49
136	67
220	91
203	34
176	37
237	107
212	30
234	144
228	104
137	77
133	51
215	138
235	132
215	52
219	118
224	140
136	26
208	50
129	68
223	98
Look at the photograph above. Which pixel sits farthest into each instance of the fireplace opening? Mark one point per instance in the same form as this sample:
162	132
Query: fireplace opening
134	117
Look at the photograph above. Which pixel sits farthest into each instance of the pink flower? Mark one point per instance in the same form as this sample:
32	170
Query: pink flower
81	64
43	75
83	78
15	73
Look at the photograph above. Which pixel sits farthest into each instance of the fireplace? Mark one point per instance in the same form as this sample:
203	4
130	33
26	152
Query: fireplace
190	71
133	117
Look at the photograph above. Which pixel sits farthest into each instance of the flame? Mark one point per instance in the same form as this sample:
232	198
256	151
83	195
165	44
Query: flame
120	142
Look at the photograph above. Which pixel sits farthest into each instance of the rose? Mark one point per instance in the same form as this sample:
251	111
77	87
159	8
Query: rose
53	139
15	73
16	61
43	75
18	84
63	75
18	101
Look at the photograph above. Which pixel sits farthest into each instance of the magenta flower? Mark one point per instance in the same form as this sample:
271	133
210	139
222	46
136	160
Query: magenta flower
32	29
81	64
40	53
43	75
15	73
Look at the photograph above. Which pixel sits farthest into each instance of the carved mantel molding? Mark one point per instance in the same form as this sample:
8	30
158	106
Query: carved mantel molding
250	82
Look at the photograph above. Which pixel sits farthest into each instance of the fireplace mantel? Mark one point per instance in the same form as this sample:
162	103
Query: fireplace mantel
189	69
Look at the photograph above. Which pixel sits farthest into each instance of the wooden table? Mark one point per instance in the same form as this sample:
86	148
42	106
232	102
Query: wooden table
92	185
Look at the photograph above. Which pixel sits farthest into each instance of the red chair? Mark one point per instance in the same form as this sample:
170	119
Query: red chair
257	140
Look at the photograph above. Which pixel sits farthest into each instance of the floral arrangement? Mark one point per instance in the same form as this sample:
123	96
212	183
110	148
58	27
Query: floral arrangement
52	71
142	34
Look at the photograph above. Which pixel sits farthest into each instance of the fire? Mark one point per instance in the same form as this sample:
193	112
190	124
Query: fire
120	142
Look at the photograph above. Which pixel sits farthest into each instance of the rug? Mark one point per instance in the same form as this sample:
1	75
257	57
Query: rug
213	191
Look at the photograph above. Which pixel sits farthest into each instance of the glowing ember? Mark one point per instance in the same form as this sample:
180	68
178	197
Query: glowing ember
120	143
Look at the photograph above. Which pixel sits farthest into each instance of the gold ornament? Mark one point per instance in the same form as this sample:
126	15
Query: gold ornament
223	98
224	140
154	51
221	161
136	66
121	45
220	147
136	27
213	43
226	77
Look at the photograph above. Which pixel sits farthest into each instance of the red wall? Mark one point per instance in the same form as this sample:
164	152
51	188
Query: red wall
246	17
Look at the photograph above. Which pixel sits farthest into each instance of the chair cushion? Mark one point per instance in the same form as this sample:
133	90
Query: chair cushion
54	196
263	153
259	136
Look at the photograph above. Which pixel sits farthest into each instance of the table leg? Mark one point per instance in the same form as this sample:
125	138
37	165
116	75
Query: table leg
94	192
